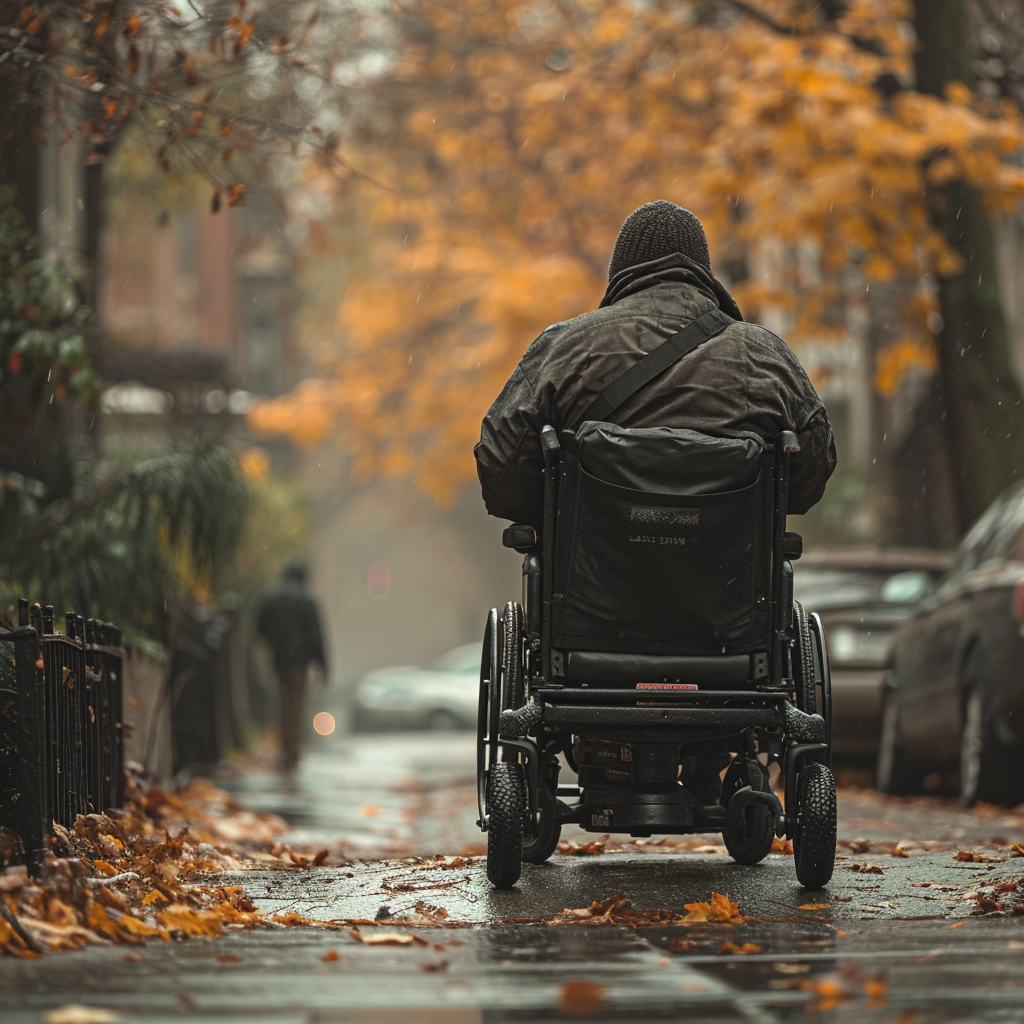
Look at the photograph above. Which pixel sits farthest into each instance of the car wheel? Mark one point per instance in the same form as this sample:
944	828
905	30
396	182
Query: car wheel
895	773
980	774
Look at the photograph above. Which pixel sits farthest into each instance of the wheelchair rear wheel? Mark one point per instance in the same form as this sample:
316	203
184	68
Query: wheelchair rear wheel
804	667
814	839
506	807
513	688
488	709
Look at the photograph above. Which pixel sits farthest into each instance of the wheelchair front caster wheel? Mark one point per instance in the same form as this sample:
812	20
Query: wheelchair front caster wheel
505	811
547	833
814	839
751	841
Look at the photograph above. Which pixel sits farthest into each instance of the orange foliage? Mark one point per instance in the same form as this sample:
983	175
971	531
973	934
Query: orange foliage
511	139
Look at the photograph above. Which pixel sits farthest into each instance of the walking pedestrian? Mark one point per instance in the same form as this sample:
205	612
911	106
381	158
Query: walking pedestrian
288	618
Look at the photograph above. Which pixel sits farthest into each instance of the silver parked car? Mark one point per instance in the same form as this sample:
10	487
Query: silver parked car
441	695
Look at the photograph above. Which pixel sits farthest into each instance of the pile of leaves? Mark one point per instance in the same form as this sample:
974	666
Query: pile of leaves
139	875
618	911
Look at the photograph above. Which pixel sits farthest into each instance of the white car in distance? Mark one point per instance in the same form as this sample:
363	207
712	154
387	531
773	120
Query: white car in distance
440	695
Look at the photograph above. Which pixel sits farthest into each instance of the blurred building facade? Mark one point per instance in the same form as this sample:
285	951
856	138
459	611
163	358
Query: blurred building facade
200	290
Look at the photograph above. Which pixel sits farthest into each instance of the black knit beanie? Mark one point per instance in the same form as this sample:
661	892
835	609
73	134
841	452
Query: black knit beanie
655	230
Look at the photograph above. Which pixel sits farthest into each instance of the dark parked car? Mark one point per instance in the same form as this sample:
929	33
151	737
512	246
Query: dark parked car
862	596
954	697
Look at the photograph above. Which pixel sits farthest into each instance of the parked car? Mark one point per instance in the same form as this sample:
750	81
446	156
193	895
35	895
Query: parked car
954	697
441	695
862	595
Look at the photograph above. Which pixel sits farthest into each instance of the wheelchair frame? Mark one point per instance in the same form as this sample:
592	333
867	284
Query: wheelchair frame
529	715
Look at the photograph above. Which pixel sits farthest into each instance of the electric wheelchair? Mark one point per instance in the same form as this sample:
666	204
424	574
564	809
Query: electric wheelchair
657	624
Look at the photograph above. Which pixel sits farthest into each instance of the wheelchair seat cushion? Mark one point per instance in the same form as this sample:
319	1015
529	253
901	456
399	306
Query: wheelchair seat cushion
667	459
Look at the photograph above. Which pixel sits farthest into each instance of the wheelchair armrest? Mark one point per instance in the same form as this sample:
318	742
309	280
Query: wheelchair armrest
519	537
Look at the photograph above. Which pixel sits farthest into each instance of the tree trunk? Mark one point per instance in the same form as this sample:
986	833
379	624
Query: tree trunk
20	119
981	407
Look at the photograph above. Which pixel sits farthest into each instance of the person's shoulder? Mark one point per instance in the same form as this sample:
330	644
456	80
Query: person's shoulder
779	352
583	325
759	334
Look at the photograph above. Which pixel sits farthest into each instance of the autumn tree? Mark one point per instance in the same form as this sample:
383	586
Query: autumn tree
797	131
980	410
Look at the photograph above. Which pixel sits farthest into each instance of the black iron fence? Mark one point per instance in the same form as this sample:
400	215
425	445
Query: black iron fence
61	731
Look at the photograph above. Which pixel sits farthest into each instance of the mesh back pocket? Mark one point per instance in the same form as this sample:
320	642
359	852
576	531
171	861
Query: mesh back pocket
638	568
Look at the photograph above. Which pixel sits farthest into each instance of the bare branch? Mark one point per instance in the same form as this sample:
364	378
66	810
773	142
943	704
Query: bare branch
756	14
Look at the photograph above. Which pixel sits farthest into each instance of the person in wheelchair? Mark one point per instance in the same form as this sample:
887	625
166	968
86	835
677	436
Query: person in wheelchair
736	381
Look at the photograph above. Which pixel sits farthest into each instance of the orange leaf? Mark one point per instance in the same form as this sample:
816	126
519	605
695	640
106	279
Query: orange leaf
721	908
681	945
331	956
730	948
132	26
236	193
189	921
581	998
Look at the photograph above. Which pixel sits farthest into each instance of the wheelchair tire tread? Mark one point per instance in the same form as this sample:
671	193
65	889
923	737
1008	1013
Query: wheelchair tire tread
814	841
807	693
505	809
513	689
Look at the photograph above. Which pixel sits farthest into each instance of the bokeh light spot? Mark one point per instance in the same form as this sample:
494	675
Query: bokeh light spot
323	723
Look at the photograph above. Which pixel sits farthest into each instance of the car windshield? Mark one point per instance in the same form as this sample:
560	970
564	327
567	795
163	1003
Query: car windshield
819	587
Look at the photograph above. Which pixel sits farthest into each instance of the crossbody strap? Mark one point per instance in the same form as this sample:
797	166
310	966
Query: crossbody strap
670	351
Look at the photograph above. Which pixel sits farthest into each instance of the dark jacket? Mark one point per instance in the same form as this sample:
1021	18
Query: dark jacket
287	618
745	382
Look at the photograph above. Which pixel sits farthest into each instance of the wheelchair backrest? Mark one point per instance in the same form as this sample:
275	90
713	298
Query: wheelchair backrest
662	542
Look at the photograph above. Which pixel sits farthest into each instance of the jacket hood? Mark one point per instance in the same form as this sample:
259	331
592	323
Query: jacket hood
676	268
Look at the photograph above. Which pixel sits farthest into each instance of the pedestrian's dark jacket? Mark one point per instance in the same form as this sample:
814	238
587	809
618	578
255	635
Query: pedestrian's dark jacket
287	618
744	382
